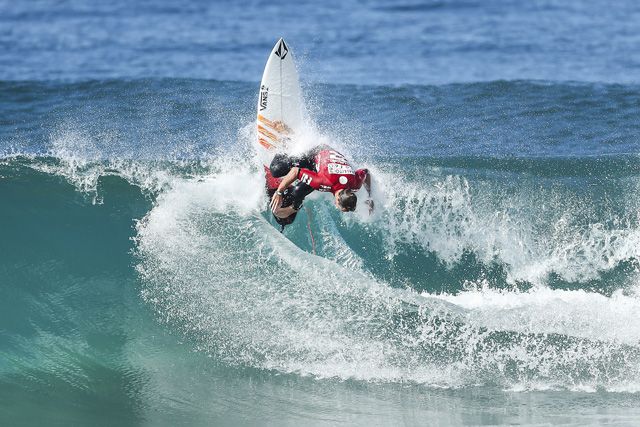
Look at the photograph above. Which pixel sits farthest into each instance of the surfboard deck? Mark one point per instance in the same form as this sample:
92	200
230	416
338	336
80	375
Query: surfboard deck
279	110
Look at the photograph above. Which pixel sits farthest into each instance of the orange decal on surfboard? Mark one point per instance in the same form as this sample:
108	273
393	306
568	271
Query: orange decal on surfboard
277	125
266	133
265	143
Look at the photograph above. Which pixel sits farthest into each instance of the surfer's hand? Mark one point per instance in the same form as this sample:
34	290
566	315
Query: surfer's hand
276	201
370	204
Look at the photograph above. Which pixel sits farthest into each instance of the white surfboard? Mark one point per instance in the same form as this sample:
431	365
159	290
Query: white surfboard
279	104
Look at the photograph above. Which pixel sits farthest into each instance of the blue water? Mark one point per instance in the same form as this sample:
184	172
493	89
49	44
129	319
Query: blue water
143	283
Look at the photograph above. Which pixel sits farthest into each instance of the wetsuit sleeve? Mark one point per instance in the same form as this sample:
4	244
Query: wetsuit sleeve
298	193
361	175
309	177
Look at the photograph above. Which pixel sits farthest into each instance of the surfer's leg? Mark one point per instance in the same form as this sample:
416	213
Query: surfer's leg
281	165
298	193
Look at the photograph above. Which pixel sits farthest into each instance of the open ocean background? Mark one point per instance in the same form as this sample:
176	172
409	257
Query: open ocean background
142	282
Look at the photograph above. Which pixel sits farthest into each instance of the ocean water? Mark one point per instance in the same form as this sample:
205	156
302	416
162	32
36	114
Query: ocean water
142	281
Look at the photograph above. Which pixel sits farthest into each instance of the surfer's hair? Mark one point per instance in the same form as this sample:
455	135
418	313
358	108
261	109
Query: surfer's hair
348	200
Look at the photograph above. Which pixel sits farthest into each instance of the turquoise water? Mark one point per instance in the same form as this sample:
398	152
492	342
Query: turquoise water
142	279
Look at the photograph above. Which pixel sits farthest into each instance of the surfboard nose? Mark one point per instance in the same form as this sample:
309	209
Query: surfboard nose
281	48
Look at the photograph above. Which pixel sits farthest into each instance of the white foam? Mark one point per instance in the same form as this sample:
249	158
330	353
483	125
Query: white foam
83	159
574	313
531	235
244	293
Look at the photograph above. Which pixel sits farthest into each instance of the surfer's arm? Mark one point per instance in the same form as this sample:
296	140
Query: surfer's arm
287	180
367	186
367	183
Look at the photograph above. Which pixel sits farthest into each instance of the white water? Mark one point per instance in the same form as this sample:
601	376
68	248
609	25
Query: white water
533	232
213	266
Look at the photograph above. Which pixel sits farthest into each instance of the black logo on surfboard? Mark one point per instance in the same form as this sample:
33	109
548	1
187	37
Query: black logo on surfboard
282	50
264	91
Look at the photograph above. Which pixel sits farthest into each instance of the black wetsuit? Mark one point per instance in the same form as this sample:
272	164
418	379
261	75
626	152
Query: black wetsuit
282	164
287	200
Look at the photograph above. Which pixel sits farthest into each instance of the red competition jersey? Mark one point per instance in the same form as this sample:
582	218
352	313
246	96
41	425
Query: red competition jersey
333	172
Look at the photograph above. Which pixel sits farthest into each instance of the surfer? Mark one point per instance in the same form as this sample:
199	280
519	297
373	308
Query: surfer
322	169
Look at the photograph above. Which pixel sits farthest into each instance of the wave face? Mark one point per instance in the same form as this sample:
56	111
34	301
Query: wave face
331	315
141	271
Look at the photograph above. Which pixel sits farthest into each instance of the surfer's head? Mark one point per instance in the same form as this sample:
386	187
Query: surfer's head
346	200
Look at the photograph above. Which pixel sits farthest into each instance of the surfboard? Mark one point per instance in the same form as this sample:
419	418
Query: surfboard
279	110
